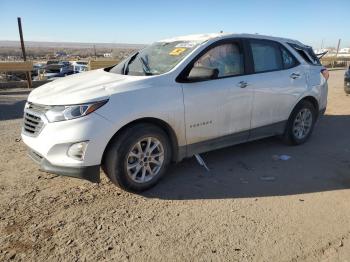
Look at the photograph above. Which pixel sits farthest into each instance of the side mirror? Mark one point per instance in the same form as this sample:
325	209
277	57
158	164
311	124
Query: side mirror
202	73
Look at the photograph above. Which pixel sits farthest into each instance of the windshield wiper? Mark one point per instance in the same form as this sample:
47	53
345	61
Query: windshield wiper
127	63
145	66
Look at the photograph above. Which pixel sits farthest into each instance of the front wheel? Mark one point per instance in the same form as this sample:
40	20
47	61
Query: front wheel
300	123
138	157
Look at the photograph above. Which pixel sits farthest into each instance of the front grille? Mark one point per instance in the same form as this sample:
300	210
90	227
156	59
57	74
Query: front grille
33	122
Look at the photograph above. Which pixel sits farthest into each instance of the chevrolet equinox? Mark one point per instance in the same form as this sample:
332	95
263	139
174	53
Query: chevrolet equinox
175	98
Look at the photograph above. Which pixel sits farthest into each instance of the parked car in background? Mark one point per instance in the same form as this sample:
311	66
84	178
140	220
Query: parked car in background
66	68
173	99
50	62
10	76
347	81
37	68
80	66
54	69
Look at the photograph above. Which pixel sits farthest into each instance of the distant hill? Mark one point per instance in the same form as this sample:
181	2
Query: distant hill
8	43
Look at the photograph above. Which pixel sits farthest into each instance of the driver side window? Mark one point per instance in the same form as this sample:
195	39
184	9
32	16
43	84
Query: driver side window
227	58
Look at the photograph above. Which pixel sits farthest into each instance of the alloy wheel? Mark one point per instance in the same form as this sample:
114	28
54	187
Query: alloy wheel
145	159
302	123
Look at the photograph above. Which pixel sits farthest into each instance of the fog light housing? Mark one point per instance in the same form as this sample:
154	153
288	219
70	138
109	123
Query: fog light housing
77	150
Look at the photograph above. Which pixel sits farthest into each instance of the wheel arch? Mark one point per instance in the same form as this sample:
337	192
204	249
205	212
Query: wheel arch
310	99
286	135
153	121
313	101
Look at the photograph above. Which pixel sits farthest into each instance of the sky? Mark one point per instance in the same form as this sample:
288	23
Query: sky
143	22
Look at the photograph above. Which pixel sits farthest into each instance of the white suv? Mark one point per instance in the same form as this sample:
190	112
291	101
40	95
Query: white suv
171	100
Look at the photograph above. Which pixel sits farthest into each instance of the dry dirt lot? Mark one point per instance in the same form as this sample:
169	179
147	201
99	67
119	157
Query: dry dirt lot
250	207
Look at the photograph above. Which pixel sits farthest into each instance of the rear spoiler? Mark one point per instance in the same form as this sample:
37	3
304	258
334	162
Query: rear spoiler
320	55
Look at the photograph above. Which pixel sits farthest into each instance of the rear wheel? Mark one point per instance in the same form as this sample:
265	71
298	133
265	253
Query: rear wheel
138	158
300	123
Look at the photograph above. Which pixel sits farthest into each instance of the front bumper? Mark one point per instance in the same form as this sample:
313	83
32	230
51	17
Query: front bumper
55	139
49	147
90	173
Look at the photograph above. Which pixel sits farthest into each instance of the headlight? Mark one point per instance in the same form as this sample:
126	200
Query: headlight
62	113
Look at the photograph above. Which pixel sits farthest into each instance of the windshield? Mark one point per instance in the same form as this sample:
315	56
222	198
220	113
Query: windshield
155	59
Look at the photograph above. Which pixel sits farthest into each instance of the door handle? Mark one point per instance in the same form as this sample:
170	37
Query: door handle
295	75
242	84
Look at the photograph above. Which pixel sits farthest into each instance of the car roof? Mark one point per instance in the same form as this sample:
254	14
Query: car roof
196	37
217	36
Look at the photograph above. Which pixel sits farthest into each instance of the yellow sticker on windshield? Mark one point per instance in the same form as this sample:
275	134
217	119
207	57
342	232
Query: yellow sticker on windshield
177	51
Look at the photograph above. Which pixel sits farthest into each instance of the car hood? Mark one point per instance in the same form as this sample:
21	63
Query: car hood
82	88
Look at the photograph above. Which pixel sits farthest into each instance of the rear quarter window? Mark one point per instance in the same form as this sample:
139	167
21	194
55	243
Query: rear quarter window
306	53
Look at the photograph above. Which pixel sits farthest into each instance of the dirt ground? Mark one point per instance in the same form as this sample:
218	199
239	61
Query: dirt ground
249	207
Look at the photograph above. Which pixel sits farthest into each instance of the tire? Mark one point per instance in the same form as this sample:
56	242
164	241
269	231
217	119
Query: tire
294	134
129	164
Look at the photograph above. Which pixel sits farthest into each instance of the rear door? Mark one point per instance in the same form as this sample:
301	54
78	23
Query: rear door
278	80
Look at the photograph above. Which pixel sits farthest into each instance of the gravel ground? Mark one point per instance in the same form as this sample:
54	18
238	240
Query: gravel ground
249	207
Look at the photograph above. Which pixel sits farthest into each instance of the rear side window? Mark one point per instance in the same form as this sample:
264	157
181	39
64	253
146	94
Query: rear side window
266	56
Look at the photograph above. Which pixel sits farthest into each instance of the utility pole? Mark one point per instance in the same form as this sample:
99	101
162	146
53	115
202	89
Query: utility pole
29	79
336	55
338	47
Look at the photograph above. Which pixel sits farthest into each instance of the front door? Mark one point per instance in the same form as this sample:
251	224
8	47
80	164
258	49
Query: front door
222	106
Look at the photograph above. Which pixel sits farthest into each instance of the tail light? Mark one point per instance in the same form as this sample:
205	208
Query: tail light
325	73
